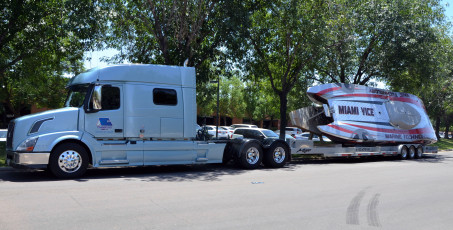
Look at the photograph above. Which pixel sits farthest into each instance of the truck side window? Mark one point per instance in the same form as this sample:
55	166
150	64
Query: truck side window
164	96
110	98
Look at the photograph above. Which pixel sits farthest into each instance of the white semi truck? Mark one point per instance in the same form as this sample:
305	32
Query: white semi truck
128	115
138	115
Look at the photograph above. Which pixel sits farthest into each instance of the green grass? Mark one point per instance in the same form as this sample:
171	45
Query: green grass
2	154
444	144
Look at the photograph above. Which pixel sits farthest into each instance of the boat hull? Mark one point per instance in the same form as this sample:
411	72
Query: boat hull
361	114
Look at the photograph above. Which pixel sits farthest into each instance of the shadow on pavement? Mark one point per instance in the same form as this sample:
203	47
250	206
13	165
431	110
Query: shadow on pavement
173	173
180	173
356	160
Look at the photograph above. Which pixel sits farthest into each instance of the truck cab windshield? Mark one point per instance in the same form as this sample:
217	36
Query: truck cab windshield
76	96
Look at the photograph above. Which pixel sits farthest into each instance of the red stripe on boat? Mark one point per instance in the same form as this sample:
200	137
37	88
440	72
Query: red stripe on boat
322	92
412	131
402	99
341	129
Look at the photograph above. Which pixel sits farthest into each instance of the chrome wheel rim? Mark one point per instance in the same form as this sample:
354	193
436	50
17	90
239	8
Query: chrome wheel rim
404	153
279	155
419	152
411	152
252	155
70	161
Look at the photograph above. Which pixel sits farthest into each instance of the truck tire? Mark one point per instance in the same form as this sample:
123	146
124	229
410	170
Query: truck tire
419	153
251	156
411	154
68	160
403	153
276	155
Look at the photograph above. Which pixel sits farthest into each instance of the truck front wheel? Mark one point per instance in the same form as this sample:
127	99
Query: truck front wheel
276	155
68	160
251	156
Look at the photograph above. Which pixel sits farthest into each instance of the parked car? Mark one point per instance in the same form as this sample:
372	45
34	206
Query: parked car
3	133
291	131
259	134
222	134
235	126
306	136
229	130
294	136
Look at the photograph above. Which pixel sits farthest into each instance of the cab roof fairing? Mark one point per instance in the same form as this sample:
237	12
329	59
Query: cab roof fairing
146	73
88	77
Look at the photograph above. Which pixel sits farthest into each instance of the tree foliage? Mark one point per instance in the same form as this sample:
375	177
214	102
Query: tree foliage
280	47
376	39
39	41
284	40
170	32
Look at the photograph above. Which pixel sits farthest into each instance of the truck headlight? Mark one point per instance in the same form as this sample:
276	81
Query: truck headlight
28	145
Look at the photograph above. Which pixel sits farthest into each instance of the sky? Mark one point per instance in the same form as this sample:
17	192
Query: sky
97	55
448	9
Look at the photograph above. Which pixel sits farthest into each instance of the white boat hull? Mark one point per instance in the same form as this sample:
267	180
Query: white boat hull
361	114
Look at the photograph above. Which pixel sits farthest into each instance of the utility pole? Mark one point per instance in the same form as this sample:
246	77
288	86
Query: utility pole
218	98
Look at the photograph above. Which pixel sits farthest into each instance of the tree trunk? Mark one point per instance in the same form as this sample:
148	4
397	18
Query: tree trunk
283	107
437	126
447	127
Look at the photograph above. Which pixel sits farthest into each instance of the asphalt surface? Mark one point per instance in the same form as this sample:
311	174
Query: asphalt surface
309	194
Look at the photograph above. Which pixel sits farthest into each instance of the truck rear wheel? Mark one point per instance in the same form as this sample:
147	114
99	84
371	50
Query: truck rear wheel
251	156
411	154
403	153
276	155
68	160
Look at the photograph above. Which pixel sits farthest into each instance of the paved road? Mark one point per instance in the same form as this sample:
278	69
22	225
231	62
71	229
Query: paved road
357	194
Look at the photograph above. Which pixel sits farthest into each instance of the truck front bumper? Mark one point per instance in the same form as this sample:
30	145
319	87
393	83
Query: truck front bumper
27	160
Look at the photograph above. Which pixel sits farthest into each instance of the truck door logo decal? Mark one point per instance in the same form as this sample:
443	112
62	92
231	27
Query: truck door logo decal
104	124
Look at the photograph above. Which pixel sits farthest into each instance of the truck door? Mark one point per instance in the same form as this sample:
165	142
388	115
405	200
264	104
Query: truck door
106	118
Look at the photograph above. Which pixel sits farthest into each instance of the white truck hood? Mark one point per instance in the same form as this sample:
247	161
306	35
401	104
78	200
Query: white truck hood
58	120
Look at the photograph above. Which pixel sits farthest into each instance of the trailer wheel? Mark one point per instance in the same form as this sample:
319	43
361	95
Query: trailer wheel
276	156
68	160
251	156
411	154
403	154
419	153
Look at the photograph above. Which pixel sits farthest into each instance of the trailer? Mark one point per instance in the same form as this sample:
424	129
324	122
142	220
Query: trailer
403	151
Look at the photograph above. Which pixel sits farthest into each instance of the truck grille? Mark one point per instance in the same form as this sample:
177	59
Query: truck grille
9	136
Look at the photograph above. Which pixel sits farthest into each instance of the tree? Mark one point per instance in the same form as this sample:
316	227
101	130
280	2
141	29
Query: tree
231	97
376	39
170	32
430	78
284	40
260	101
40	40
